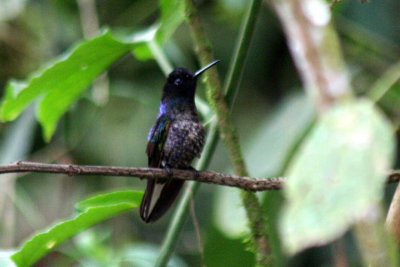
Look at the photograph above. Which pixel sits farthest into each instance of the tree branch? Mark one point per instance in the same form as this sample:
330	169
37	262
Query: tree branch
246	183
242	182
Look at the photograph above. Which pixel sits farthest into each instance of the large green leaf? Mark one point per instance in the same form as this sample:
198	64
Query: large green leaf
338	175
94	210
63	81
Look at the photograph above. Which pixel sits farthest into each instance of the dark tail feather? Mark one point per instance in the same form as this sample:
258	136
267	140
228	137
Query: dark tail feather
166	194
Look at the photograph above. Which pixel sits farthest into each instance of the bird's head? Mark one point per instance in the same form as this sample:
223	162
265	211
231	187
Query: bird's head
182	82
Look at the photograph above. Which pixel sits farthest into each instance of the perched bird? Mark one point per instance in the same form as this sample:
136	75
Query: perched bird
176	138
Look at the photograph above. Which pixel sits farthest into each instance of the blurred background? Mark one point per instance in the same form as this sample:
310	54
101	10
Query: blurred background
109	125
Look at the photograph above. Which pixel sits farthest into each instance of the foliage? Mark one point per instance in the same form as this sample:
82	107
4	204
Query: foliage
91	211
336	165
344	159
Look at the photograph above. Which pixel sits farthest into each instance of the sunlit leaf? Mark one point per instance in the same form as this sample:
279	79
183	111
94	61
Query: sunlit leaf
337	177
109	199
63	81
94	210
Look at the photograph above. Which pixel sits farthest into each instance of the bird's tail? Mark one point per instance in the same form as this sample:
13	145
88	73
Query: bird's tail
158	198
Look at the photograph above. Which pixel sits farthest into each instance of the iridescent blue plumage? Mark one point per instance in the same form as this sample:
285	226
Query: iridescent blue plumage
176	138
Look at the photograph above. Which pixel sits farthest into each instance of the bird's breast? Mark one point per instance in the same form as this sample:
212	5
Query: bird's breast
185	141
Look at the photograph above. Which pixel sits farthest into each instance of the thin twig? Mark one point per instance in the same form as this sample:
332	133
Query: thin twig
246	183
242	182
197	229
393	215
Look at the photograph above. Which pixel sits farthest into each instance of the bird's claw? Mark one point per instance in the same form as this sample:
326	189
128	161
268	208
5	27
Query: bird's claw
169	171
196	173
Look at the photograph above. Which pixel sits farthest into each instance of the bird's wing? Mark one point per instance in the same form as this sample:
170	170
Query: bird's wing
159	195
157	137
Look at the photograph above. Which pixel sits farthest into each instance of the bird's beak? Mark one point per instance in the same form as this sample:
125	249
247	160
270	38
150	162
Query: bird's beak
200	71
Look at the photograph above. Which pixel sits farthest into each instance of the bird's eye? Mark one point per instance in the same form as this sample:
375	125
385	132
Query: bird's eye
178	81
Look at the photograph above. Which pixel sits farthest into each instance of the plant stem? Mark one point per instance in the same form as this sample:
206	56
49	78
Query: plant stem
228	134
213	136
377	247
393	215
385	82
182	210
315	48
236	66
160	57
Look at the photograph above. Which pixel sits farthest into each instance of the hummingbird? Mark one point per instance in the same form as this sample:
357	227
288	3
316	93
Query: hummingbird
175	139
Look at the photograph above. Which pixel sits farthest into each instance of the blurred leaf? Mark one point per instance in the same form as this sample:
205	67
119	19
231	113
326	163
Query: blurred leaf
63	81
109	199
5	260
271	143
94	210
390	101
233	7
18	138
229	215
273	140
145	255
9	9
222	251
91	246
337	177
172	15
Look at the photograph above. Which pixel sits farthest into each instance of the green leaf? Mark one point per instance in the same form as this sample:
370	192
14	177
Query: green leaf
338	175
172	15
63	81
109	199
229	216
94	210
272	142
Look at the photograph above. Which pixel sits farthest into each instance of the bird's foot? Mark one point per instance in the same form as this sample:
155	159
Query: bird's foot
196	172
169	171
